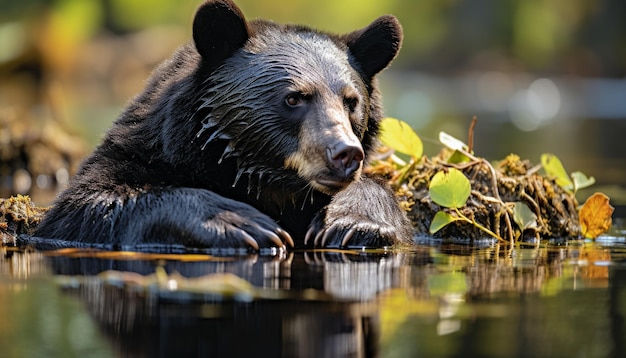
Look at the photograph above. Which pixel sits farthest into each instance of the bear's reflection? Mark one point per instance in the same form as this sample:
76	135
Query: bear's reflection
341	320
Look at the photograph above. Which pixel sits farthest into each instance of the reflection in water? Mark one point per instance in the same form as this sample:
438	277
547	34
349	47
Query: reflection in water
332	318
449	300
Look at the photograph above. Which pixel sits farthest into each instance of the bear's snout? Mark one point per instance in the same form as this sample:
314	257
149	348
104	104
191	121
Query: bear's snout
346	158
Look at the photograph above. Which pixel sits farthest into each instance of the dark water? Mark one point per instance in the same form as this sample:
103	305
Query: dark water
555	300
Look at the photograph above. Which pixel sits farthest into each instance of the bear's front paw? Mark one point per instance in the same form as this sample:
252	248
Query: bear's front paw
344	233
366	213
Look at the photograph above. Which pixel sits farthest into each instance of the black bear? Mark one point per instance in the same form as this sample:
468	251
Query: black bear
253	136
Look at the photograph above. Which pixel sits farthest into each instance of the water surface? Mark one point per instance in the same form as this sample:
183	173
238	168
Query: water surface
565	299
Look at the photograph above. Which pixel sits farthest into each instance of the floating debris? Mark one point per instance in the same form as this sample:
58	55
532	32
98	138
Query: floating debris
18	215
457	195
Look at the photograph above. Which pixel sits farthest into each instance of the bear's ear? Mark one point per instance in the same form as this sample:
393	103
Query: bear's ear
374	46
219	29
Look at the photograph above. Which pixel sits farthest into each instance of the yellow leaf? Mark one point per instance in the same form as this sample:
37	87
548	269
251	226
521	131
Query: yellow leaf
553	167
595	216
399	135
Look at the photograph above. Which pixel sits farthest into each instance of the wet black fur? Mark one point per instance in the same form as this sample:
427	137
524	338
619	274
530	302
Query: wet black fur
197	159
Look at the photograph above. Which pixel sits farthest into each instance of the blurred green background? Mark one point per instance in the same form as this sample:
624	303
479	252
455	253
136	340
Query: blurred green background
540	75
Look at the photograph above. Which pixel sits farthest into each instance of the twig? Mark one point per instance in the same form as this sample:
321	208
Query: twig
509	226
470	135
535	206
487	198
476	224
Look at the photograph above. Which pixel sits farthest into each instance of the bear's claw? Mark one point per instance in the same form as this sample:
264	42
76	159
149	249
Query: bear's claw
249	240
351	235
257	236
285	237
280	238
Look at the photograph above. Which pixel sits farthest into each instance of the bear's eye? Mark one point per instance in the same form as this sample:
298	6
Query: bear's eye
351	103
295	99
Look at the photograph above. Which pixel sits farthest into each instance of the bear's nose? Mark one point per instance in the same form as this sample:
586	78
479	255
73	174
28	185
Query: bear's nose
345	157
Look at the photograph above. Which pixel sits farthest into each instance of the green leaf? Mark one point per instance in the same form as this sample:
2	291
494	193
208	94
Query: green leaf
440	220
450	189
582	181
523	216
451	142
458	157
399	135
553	167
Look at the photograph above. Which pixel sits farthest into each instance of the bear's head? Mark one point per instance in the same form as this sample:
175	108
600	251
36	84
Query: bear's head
289	100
